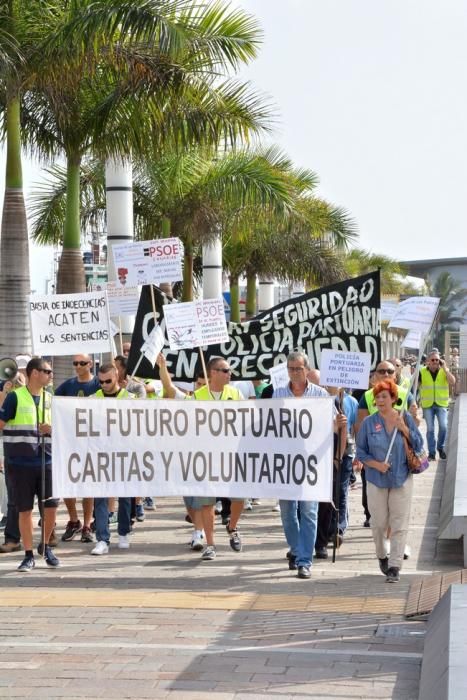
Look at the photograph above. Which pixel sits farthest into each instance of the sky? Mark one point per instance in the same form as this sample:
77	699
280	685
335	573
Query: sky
371	96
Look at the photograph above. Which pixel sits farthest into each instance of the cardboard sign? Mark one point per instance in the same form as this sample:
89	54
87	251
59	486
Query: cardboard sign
279	375
348	370
154	344
69	324
148	262
279	448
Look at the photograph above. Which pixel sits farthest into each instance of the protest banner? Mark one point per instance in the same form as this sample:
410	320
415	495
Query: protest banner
348	370
343	317
280	448
148	262
68	324
416	314
123	301
153	345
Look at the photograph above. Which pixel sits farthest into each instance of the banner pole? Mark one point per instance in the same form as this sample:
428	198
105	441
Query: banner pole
338	480
132	376
201	354
120	334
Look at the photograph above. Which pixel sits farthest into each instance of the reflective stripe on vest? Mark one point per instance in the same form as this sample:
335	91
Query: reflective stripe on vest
433	390
228	392
21	437
370	400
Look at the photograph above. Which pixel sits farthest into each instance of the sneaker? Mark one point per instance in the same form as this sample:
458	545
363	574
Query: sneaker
393	575
53	539
256	501
197	543
248	504
431	456
209	553
123	542
49	557
3	523
235	541
86	535
218	508
140	512
100	548
148	503
442	454
304	572
366	522
113	518
9	547
384	565
72	529
276	508
292	563
27	565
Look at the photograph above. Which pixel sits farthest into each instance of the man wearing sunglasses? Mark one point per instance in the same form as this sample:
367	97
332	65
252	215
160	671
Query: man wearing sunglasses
25	419
83	384
434	382
367	406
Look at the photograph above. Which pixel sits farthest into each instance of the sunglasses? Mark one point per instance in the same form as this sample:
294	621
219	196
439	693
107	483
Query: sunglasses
105	381
46	371
222	369
385	371
80	363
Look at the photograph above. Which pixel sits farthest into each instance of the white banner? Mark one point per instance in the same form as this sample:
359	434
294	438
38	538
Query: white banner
70	324
148	262
194	324
123	301
277	448
416	314
349	370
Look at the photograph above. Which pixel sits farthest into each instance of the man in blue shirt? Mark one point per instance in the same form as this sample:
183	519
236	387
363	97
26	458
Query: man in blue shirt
83	384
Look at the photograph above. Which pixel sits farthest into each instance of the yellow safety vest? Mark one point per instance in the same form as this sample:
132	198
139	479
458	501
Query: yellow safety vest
228	392
122	394
21	437
401	395
433	390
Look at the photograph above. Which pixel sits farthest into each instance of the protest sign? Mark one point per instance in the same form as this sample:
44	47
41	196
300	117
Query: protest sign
348	370
416	314
279	375
280	448
153	345
388	309
193	324
123	301
412	340
68	324
147	262
343	317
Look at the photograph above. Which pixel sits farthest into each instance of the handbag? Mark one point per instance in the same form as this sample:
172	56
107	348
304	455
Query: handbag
417	462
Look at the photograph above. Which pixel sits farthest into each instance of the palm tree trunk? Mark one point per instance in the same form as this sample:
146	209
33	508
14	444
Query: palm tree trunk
250	305
234	298
70	274
15	283
187	293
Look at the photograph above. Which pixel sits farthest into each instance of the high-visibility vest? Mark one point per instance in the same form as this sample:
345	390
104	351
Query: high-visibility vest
21	437
122	394
433	390
228	392
401	396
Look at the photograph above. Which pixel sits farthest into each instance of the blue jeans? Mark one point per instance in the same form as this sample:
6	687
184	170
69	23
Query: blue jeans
300	534
101	514
442	418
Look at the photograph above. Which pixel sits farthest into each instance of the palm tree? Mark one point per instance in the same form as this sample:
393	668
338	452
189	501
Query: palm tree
393	273
452	306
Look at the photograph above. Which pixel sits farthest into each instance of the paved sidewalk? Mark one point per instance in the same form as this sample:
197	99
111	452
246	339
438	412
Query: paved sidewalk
155	621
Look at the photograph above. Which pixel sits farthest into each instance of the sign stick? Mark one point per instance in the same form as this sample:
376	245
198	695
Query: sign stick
132	376
338	480
201	354
120	335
